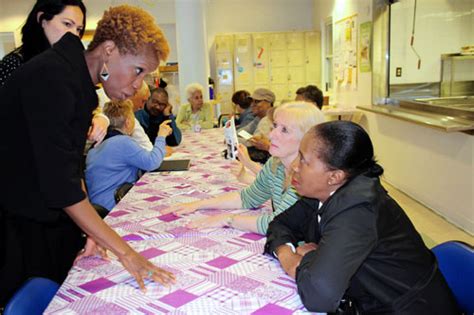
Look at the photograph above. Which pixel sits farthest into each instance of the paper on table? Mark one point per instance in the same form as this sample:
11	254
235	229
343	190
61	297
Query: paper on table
244	134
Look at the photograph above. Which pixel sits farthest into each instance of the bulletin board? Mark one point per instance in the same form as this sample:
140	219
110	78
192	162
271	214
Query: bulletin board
345	52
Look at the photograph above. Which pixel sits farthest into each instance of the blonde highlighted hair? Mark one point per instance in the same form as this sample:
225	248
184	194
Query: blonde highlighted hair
303	115
132	29
118	112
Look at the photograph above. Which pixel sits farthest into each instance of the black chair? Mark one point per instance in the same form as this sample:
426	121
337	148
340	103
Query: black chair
223	118
122	191
101	211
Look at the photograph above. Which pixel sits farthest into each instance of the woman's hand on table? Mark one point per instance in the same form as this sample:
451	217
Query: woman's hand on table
288	259
219	220
181	208
140	268
98	129
92	249
306	248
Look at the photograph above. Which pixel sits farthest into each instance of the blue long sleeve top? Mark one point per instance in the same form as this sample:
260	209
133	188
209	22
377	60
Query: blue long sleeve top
115	162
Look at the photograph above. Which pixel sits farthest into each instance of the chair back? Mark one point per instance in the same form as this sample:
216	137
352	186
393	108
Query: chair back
122	191
456	263
32	298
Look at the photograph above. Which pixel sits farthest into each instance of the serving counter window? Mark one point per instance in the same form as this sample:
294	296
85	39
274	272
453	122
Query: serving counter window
424	62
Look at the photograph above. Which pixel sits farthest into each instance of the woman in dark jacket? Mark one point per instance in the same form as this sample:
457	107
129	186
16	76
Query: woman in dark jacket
47	108
359	244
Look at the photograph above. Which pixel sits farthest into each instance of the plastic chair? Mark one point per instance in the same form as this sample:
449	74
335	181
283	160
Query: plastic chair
32	298
222	120
456	262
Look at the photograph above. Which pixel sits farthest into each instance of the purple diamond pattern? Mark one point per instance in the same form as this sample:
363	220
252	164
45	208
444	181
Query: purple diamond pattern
178	298
152	199
152	253
218	270
222	262
252	236
272	309
97	285
168	217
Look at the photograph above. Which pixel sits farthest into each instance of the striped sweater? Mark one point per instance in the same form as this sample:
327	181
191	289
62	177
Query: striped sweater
269	184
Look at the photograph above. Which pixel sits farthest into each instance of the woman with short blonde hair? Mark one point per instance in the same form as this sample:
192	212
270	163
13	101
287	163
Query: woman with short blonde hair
290	122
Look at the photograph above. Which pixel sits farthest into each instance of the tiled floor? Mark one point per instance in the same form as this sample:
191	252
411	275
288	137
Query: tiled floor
433	228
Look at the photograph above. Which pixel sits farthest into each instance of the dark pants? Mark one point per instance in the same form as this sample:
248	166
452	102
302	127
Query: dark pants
35	249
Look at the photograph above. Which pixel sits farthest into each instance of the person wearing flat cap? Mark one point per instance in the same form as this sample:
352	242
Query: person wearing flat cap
260	127
262	101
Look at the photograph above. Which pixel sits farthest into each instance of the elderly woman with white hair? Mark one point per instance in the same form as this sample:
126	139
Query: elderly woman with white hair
196	114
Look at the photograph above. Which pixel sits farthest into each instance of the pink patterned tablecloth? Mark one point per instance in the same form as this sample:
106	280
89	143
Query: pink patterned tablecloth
219	271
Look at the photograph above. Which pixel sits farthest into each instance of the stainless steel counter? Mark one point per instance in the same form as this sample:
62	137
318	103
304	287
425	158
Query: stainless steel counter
448	114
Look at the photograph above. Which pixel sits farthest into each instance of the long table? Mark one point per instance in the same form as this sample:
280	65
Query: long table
218	270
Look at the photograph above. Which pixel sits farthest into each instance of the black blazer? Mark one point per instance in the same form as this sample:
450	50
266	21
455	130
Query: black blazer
45	113
368	250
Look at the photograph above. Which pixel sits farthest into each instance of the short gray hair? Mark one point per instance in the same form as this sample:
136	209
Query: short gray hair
193	88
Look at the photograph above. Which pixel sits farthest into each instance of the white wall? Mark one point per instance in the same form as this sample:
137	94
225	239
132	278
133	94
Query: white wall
13	14
231	16
339	9
223	16
442	26
432	166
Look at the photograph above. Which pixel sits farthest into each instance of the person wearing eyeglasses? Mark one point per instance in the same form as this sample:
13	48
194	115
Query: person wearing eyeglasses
157	110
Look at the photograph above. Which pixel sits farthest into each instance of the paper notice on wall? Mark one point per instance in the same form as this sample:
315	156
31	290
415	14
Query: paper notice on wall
345	52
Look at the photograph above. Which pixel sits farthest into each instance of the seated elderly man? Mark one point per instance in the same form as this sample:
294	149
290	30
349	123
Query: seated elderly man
156	111
262	101
260	127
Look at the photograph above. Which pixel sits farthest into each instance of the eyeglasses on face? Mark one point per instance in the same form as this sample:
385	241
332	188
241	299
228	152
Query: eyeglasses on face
158	104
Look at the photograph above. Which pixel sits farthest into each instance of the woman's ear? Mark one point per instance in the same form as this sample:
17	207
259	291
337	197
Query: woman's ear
337	177
38	16
108	47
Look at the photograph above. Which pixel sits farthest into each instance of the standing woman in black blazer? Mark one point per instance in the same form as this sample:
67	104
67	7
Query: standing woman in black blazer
45	114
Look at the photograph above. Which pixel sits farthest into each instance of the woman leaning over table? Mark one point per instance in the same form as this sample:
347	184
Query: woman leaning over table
291	121
196	114
47	105
47	22
360	245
